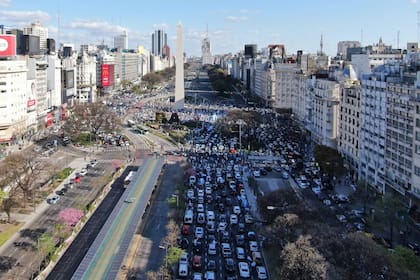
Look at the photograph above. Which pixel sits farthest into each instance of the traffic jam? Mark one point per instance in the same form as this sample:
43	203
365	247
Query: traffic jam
218	232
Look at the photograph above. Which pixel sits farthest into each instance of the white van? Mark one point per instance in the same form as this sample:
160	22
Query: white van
192	180
188	217
210	216
183	269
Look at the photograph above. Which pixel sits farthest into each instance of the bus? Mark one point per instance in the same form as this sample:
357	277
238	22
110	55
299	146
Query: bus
142	129
128	178
131	123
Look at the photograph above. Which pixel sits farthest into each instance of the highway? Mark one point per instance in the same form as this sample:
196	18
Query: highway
104	258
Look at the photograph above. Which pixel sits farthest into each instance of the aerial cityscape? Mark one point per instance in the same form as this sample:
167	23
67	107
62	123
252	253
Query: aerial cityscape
210	140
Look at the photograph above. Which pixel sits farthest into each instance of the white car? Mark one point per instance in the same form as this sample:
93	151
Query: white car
200	208
253	246
244	270
199	232
83	172
208	190
197	276
257	173
236	210
261	272
210	275
54	199
233	219
212	248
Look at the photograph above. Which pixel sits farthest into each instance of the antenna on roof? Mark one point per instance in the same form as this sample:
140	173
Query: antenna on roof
418	25
207	30
361	36
321	44
398	39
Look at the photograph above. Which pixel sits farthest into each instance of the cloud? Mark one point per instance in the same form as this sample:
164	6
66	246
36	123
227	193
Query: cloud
97	26
24	16
413	1
236	18
5	3
244	11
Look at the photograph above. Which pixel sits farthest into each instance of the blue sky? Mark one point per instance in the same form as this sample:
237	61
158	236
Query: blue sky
231	23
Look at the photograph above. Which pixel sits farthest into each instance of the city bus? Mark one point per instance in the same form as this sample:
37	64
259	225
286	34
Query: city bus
131	123
142	129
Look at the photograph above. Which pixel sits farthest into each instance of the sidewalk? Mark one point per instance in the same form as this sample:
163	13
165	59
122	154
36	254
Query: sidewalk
30	219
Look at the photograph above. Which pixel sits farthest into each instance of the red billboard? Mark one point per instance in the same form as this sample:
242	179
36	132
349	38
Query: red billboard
7	45
49	119
107	75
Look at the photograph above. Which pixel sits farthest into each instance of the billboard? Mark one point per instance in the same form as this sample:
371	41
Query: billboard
31	94
107	75
69	79
7	45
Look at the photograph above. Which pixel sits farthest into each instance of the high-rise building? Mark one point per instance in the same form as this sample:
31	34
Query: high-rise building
37	29
206	56
179	71
121	41
159	41
342	47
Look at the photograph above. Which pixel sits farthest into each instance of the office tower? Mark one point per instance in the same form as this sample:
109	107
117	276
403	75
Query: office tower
159	41
179	72
121	41
206	56
37	29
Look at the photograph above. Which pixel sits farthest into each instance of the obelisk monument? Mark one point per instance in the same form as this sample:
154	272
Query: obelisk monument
179	72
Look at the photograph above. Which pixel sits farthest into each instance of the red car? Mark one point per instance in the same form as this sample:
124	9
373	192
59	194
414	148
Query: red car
196	262
186	230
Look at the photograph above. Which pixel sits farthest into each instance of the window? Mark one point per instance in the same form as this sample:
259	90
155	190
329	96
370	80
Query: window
417	170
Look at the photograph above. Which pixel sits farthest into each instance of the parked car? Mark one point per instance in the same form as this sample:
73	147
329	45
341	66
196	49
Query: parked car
244	270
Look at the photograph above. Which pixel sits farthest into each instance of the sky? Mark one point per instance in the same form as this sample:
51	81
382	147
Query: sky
231	23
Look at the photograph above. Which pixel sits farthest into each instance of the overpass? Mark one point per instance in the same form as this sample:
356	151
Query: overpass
104	258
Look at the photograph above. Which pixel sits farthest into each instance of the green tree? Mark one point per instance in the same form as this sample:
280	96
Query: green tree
174	253
7	204
406	258
391	211
151	79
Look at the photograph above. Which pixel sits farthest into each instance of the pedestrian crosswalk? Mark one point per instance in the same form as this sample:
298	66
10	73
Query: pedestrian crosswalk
116	149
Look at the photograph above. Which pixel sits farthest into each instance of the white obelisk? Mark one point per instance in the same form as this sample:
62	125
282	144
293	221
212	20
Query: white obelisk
179	71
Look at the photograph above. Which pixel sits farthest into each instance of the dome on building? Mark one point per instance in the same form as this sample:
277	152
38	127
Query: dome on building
349	73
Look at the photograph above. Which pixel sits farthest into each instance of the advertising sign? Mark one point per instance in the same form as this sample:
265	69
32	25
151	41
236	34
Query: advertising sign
31	94
105	75
7	45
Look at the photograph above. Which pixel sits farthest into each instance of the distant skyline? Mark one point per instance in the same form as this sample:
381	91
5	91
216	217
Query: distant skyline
231	24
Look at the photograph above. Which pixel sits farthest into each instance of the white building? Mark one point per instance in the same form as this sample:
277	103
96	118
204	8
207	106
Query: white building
365	63
349	124
283	85
301	101
121	41
37	71
372	131
54	80
325	113
37	29
14	99
415	181
86	79
206	56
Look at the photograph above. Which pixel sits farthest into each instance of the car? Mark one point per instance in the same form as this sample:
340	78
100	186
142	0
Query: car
252	236
201	218
241	227
196	262
253	246
183	243
186	230
183	258
256	173
197	276
244	269
233	219
236	210
240	253
93	163
222	218
200	207
54	199
226	250
240	239
249	219
341	218
60	192
210	275
222	226
261	272
229	265
221	207
199	232
83	172
190	194
212	248
211	265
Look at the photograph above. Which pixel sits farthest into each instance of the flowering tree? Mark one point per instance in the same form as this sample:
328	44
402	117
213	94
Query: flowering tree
70	216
